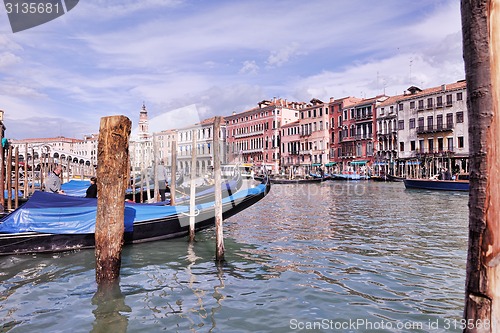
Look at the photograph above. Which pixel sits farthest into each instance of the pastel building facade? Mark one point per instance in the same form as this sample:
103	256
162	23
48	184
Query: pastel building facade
433	130
253	136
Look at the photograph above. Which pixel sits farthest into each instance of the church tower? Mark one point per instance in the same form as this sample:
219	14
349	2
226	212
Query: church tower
143	123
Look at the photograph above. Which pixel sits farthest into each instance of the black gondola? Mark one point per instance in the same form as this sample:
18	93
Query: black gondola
54	223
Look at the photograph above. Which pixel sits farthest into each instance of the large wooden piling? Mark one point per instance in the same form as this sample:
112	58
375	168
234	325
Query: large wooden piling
112	164
219	234
481	38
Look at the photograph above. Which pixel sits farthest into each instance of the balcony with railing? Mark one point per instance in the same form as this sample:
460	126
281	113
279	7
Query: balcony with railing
305	133
421	152
248	134
385	134
434	128
364	136
364	116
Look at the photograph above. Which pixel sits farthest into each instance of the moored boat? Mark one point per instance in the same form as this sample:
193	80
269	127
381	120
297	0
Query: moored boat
53	223
434	184
393	178
349	176
296	180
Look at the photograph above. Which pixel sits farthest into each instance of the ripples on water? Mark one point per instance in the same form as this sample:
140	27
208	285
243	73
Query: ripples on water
308	254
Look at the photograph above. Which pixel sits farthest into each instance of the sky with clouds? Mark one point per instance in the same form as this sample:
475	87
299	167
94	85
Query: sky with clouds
107	57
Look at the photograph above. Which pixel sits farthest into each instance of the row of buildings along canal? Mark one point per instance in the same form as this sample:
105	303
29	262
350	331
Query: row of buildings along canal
415	134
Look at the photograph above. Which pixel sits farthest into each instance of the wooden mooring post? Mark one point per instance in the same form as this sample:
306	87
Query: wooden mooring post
481	41
112	181
192	188
219	234
173	172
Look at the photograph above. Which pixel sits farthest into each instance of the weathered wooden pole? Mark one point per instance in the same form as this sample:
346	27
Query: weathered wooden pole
112	161
2	178
16	181
173	172
156	161
25	194
9	178
192	193
219	235
67	169
481	47
32	170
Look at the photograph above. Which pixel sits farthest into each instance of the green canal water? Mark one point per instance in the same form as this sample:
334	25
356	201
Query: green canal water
330	257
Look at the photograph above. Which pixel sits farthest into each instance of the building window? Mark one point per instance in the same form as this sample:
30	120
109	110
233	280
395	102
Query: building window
439	120
449	120
369	149
430	122
401	146
412	145
359	150
449	99
460	142
450	144
412	104
400	106
421	104
412	122
460	117
421	122
440	144
459	96
439	101
401	125
429	103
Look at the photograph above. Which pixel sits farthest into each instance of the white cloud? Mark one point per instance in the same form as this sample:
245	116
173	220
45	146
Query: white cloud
110	56
249	67
283	54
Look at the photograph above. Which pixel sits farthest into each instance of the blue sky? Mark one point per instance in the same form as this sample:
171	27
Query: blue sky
107	57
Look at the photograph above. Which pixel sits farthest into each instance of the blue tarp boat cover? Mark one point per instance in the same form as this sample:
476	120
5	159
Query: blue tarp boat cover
63	214
58	214
77	188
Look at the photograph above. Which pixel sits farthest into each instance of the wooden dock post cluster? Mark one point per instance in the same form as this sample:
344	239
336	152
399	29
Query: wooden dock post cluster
112	181
481	40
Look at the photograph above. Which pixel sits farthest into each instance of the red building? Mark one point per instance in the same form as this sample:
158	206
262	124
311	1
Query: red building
253	136
356	133
340	142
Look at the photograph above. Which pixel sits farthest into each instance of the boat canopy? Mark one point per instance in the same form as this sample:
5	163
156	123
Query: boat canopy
359	162
63	214
57	214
